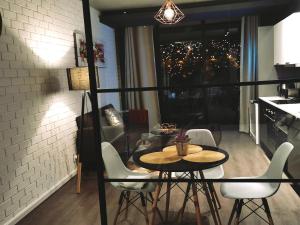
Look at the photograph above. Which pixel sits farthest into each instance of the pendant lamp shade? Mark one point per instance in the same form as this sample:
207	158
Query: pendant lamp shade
169	13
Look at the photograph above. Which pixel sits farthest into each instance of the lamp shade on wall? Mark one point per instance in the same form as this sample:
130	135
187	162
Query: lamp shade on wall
78	78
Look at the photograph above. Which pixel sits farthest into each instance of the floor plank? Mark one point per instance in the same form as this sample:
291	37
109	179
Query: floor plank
66	207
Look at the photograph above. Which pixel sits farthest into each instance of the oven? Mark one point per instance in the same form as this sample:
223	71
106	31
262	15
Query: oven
273	129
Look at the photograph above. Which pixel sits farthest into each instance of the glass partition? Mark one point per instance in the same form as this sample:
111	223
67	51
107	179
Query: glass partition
249	137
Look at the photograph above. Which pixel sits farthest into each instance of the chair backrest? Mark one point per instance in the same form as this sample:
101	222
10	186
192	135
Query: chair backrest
114	166
201	137
278	161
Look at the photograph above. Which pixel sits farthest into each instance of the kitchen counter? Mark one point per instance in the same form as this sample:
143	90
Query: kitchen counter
292	109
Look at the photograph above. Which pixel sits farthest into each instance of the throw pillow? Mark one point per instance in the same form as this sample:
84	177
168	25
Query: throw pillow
113	117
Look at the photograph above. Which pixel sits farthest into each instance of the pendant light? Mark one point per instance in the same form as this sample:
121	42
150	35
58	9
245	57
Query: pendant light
169	13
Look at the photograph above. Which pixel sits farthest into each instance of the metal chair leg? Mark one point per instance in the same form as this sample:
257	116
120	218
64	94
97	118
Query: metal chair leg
119	208
144	207
233	211
267	210
238	212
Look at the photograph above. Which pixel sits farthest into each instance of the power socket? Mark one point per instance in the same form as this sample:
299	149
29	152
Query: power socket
75	157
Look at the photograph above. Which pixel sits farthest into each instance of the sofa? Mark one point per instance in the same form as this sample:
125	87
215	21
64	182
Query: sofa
122	136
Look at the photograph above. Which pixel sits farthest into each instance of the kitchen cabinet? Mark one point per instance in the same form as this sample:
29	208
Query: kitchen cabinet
286	41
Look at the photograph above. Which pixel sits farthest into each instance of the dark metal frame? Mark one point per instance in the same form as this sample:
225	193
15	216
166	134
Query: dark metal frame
95	112
161	88
97	134
0	24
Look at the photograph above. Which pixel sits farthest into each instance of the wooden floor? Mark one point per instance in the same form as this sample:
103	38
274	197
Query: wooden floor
65	207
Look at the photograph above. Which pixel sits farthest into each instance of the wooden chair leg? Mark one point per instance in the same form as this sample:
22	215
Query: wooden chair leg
213	209
214	201
127	196
214	194
238	212
185	200
236	202
267	210
144	207
119	208
151	196
195	200
168	197
155	201
78	181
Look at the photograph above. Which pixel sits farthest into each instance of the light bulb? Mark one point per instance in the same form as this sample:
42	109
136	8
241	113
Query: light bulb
169	14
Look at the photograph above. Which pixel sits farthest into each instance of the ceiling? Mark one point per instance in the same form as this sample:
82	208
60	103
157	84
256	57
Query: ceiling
196	11
104	5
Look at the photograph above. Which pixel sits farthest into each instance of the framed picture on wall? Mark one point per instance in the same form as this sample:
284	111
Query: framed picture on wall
80	48
81	51
99	54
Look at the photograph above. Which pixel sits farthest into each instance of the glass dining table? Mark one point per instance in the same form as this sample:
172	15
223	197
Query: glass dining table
166	161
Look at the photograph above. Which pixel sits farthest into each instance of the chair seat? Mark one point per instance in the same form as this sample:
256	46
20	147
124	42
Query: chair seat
137	186
214	173
248	190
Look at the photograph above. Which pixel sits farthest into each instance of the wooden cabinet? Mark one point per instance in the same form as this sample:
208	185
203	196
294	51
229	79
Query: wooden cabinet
287	40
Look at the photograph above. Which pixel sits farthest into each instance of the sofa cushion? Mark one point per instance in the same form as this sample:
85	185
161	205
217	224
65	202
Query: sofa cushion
113	117
88	120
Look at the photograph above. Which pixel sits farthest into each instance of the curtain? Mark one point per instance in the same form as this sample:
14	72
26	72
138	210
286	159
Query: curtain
140	71
248	68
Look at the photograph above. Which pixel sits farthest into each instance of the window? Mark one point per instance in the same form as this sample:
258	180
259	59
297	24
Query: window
212	56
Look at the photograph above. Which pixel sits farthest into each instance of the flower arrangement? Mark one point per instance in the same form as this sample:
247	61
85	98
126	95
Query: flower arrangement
182	141
182	137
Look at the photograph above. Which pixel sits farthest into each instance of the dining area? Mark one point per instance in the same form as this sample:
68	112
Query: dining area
189	182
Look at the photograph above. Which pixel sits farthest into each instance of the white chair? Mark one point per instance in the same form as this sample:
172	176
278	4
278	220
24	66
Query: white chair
205	137
252	190
116	169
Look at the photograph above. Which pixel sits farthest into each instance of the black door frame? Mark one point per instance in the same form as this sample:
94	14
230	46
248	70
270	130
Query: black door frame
97	126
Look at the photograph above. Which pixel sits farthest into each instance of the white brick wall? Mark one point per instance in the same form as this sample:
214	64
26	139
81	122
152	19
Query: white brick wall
37	112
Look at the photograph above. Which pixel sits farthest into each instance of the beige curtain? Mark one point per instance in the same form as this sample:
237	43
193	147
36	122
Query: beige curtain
140	71
248	68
